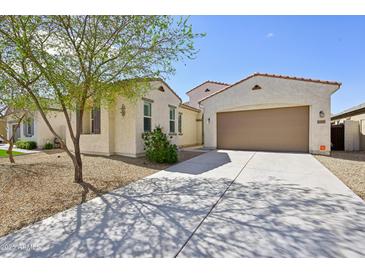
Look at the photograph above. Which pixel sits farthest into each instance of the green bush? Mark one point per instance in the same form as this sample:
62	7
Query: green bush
158	148
48	146
26	144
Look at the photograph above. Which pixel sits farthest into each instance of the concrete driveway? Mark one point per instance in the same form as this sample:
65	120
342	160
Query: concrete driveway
219	204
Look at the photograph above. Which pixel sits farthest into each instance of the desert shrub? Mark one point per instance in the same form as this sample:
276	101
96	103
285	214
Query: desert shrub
22	144
158	148
48	145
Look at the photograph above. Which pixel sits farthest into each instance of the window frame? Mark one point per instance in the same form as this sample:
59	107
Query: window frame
172	108
92	120
28	124
30	127
179	123
147	103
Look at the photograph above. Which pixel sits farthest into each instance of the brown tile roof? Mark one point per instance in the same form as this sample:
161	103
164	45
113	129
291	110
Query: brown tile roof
214	82
297	78
275	76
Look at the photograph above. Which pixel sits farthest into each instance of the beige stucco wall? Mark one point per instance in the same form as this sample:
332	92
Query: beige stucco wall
122	135
352	135
41	130
97	144
191	128
197	94
275	92
42	134
160	113
360	118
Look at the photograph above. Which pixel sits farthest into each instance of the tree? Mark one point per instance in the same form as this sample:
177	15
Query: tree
14	105
18	118
83	61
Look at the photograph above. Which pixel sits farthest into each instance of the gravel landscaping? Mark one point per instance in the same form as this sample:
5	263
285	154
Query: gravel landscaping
349	167
40	185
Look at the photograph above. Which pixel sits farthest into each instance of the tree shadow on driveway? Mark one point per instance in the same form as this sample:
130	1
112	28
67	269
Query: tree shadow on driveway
149	218
154	217
201	164
275	218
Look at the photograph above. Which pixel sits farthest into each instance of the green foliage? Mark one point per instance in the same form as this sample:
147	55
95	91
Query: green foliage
48	145
22	144
79	62
3	153
69	58
158	148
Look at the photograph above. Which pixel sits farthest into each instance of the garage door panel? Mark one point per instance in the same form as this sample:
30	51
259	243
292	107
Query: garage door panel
280	129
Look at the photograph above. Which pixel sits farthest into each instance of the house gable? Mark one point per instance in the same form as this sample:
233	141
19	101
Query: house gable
262	92
203	90
337	85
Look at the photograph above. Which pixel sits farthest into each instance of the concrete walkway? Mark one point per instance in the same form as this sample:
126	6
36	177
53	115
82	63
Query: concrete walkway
25	151
219	204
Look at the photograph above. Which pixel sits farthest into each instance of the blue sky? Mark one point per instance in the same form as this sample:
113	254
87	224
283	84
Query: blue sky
320	47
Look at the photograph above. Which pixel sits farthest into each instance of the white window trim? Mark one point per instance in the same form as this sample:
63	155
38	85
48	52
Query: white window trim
29	124
146	116
172	120
29	128
179	125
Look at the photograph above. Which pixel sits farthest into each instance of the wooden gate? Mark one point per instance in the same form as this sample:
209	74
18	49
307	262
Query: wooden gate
338	137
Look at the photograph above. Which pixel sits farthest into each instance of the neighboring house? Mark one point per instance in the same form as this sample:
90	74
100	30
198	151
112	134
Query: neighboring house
33	127
118	130
2	129
352	121
203	90
270	112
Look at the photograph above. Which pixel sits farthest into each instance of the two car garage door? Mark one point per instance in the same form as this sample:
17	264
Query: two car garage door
277	129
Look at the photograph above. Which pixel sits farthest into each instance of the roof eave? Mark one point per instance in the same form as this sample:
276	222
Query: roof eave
349	113
208	81
338	84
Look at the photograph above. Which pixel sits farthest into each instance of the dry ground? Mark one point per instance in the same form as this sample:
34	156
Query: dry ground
40	185
349	167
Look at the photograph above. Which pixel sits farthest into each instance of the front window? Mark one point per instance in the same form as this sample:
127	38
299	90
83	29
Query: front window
147	116
29	127
172	119
95	121
179	123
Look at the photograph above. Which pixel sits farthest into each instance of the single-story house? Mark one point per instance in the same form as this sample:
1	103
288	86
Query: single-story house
270	112
260	112
351	123
33	127
118	130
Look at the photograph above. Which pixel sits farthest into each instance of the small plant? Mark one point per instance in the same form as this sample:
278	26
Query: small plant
48	145
22	144
158	148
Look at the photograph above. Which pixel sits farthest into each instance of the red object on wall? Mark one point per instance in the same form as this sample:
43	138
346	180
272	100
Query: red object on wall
322	148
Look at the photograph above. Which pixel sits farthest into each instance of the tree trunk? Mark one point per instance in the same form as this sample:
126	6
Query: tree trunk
78	164
10	152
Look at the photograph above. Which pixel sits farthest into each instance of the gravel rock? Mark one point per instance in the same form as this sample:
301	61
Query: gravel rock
349	167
